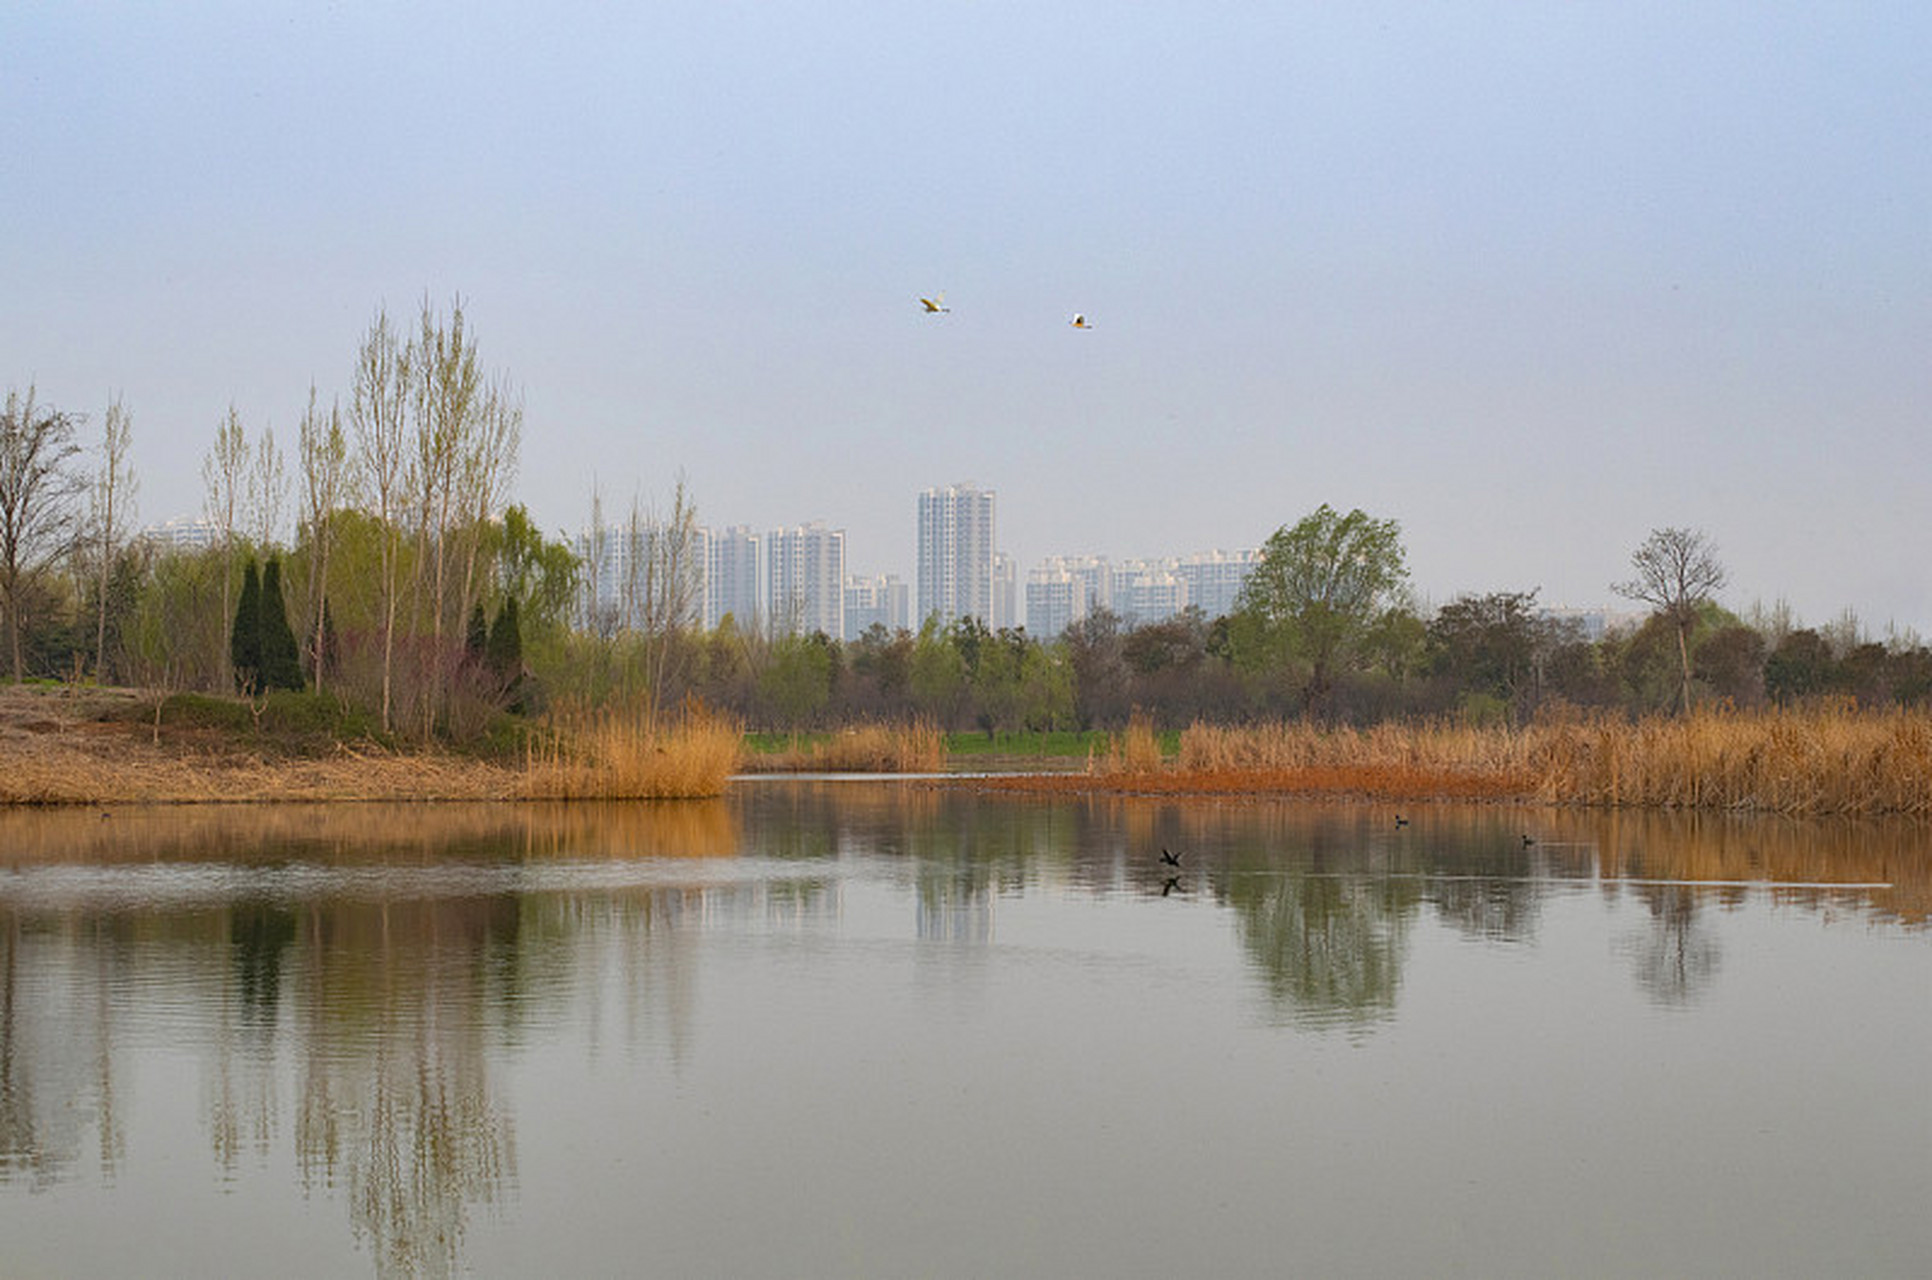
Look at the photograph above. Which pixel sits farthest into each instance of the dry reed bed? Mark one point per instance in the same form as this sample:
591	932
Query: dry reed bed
1807	761
615	754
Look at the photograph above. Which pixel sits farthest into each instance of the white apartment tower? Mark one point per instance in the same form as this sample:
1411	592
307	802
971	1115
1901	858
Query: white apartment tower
731	578
807	580
882	599
956	554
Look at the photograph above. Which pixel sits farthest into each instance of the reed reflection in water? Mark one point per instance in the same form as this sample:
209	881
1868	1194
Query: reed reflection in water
877	1028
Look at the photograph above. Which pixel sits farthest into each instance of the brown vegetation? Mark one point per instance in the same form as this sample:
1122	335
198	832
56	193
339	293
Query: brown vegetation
614	753
1820	760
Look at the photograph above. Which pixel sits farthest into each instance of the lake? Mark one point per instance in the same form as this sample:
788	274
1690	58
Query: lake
890	1028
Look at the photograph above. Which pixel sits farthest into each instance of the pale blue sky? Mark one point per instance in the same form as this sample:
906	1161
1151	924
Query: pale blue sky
1530	279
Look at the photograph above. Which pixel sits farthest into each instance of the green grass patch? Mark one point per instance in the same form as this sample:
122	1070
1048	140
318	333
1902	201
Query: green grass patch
1054	744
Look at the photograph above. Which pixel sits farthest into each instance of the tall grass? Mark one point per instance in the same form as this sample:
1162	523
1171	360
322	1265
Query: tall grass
1829	759
617	752
1134	751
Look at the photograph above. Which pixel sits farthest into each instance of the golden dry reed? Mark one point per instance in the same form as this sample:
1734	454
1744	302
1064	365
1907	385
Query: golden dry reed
1135	751
618	753
1831	759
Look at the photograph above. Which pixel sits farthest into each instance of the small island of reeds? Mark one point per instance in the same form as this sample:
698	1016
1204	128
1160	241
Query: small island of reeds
1826	759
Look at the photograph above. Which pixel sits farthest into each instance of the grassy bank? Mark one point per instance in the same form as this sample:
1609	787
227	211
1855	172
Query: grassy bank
1810	761
64	745
866	748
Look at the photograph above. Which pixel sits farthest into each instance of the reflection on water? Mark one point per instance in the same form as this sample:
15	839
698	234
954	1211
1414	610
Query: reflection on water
357	992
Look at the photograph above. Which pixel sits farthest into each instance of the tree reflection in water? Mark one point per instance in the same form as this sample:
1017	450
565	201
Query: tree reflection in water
352	980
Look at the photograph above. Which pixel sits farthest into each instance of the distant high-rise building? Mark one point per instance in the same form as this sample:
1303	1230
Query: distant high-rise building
884	600
731	578
956	554
1214	579
1056	598
1006	591
627	570
1148	591
807	567
182	534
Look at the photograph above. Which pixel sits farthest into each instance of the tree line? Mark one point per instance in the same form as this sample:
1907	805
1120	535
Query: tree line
418	592
1324	628
404	531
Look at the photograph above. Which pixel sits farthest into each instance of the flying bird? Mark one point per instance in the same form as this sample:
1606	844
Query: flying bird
1079	321
935	304
1170	859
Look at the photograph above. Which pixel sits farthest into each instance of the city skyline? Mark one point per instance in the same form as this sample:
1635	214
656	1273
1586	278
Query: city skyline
1530	282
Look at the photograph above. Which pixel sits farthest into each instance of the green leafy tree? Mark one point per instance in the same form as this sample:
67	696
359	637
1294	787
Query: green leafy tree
797	683
937	676
245	635
281	657
1316	595
328	653
1801	666
1484	643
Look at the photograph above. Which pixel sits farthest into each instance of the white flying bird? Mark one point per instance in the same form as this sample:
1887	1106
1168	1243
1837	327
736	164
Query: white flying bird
1079	321
935	304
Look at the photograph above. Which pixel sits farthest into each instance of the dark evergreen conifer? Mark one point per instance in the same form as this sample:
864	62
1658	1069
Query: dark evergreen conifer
506	644
281	657
476	642
245	637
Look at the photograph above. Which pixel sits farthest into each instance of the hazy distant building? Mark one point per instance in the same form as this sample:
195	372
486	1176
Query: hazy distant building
956	554
182	534
1006	592
1056	598
732	577
624	568
1214	579
1148	591
884	600
807	567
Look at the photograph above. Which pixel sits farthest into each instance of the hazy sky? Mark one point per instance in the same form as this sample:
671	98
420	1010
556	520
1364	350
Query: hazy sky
1530	279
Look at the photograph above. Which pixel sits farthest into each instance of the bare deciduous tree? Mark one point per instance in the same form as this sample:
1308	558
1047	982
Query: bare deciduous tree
325	487
224	473
665	572
378	412
113	504
267	491
37	490
1677	571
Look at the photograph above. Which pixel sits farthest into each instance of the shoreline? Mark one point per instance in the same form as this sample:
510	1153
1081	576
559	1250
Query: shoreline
81	746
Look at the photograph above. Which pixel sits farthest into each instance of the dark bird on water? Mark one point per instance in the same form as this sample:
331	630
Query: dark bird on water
1170	859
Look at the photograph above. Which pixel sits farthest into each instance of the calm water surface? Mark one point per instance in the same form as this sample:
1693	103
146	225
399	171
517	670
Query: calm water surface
883	1029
